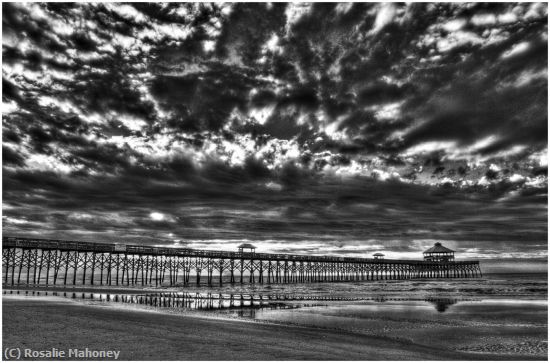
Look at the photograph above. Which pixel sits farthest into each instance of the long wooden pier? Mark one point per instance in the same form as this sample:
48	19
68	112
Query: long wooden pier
30	261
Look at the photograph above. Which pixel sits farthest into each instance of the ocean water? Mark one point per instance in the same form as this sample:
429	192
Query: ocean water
504	287
522	285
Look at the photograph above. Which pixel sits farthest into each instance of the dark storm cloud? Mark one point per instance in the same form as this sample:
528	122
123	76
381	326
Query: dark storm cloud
246	31
478	106
199	101
111	91
338	128
10	157
355	210
38	30
381	92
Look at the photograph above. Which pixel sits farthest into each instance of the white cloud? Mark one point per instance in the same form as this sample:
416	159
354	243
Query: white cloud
516	178
272	44
227	9
537	182
48	163
516	49
209	45
385	175
11	220
386	13
454	25
343	8
430	146
332	129
9	107
261	114
180	11
36	11
536	11
156	216
526	77
494	167
483	181
540	157
274	186
457	39
389	111
484	19
293	12
507	18
127	12
133	123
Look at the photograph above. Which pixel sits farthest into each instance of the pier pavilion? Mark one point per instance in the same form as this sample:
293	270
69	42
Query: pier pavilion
439	253
247	246
31	261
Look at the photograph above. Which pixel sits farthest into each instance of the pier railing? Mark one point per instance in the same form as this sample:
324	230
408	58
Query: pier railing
63	245
123	264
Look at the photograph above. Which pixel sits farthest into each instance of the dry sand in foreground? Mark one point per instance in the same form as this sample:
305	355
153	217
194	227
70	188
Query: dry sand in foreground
43	324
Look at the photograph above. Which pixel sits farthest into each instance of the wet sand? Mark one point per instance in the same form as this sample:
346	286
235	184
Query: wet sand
498	327
47	323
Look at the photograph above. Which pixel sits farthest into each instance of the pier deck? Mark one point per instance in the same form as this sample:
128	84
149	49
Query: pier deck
55	262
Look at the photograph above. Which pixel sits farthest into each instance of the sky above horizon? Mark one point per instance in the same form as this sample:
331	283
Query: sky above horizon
343	129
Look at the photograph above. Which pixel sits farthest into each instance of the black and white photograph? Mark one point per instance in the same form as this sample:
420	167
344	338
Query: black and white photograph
208	181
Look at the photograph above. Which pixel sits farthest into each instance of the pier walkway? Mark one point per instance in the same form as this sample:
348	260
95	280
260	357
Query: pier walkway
32	261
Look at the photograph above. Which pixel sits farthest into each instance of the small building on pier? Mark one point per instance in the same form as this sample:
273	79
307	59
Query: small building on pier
439	253
378	256
33	262
247	246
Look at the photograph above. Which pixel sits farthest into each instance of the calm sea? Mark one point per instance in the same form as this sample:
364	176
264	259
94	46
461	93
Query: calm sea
517	285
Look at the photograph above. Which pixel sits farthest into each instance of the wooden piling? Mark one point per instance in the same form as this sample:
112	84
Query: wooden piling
137	268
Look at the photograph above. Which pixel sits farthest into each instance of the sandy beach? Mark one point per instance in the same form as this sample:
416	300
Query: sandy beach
43	324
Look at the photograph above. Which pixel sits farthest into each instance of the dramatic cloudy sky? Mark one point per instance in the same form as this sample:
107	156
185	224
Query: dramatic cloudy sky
328	128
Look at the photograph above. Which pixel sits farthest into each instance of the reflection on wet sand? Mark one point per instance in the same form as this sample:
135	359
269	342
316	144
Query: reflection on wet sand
480	326
213	301
442	305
